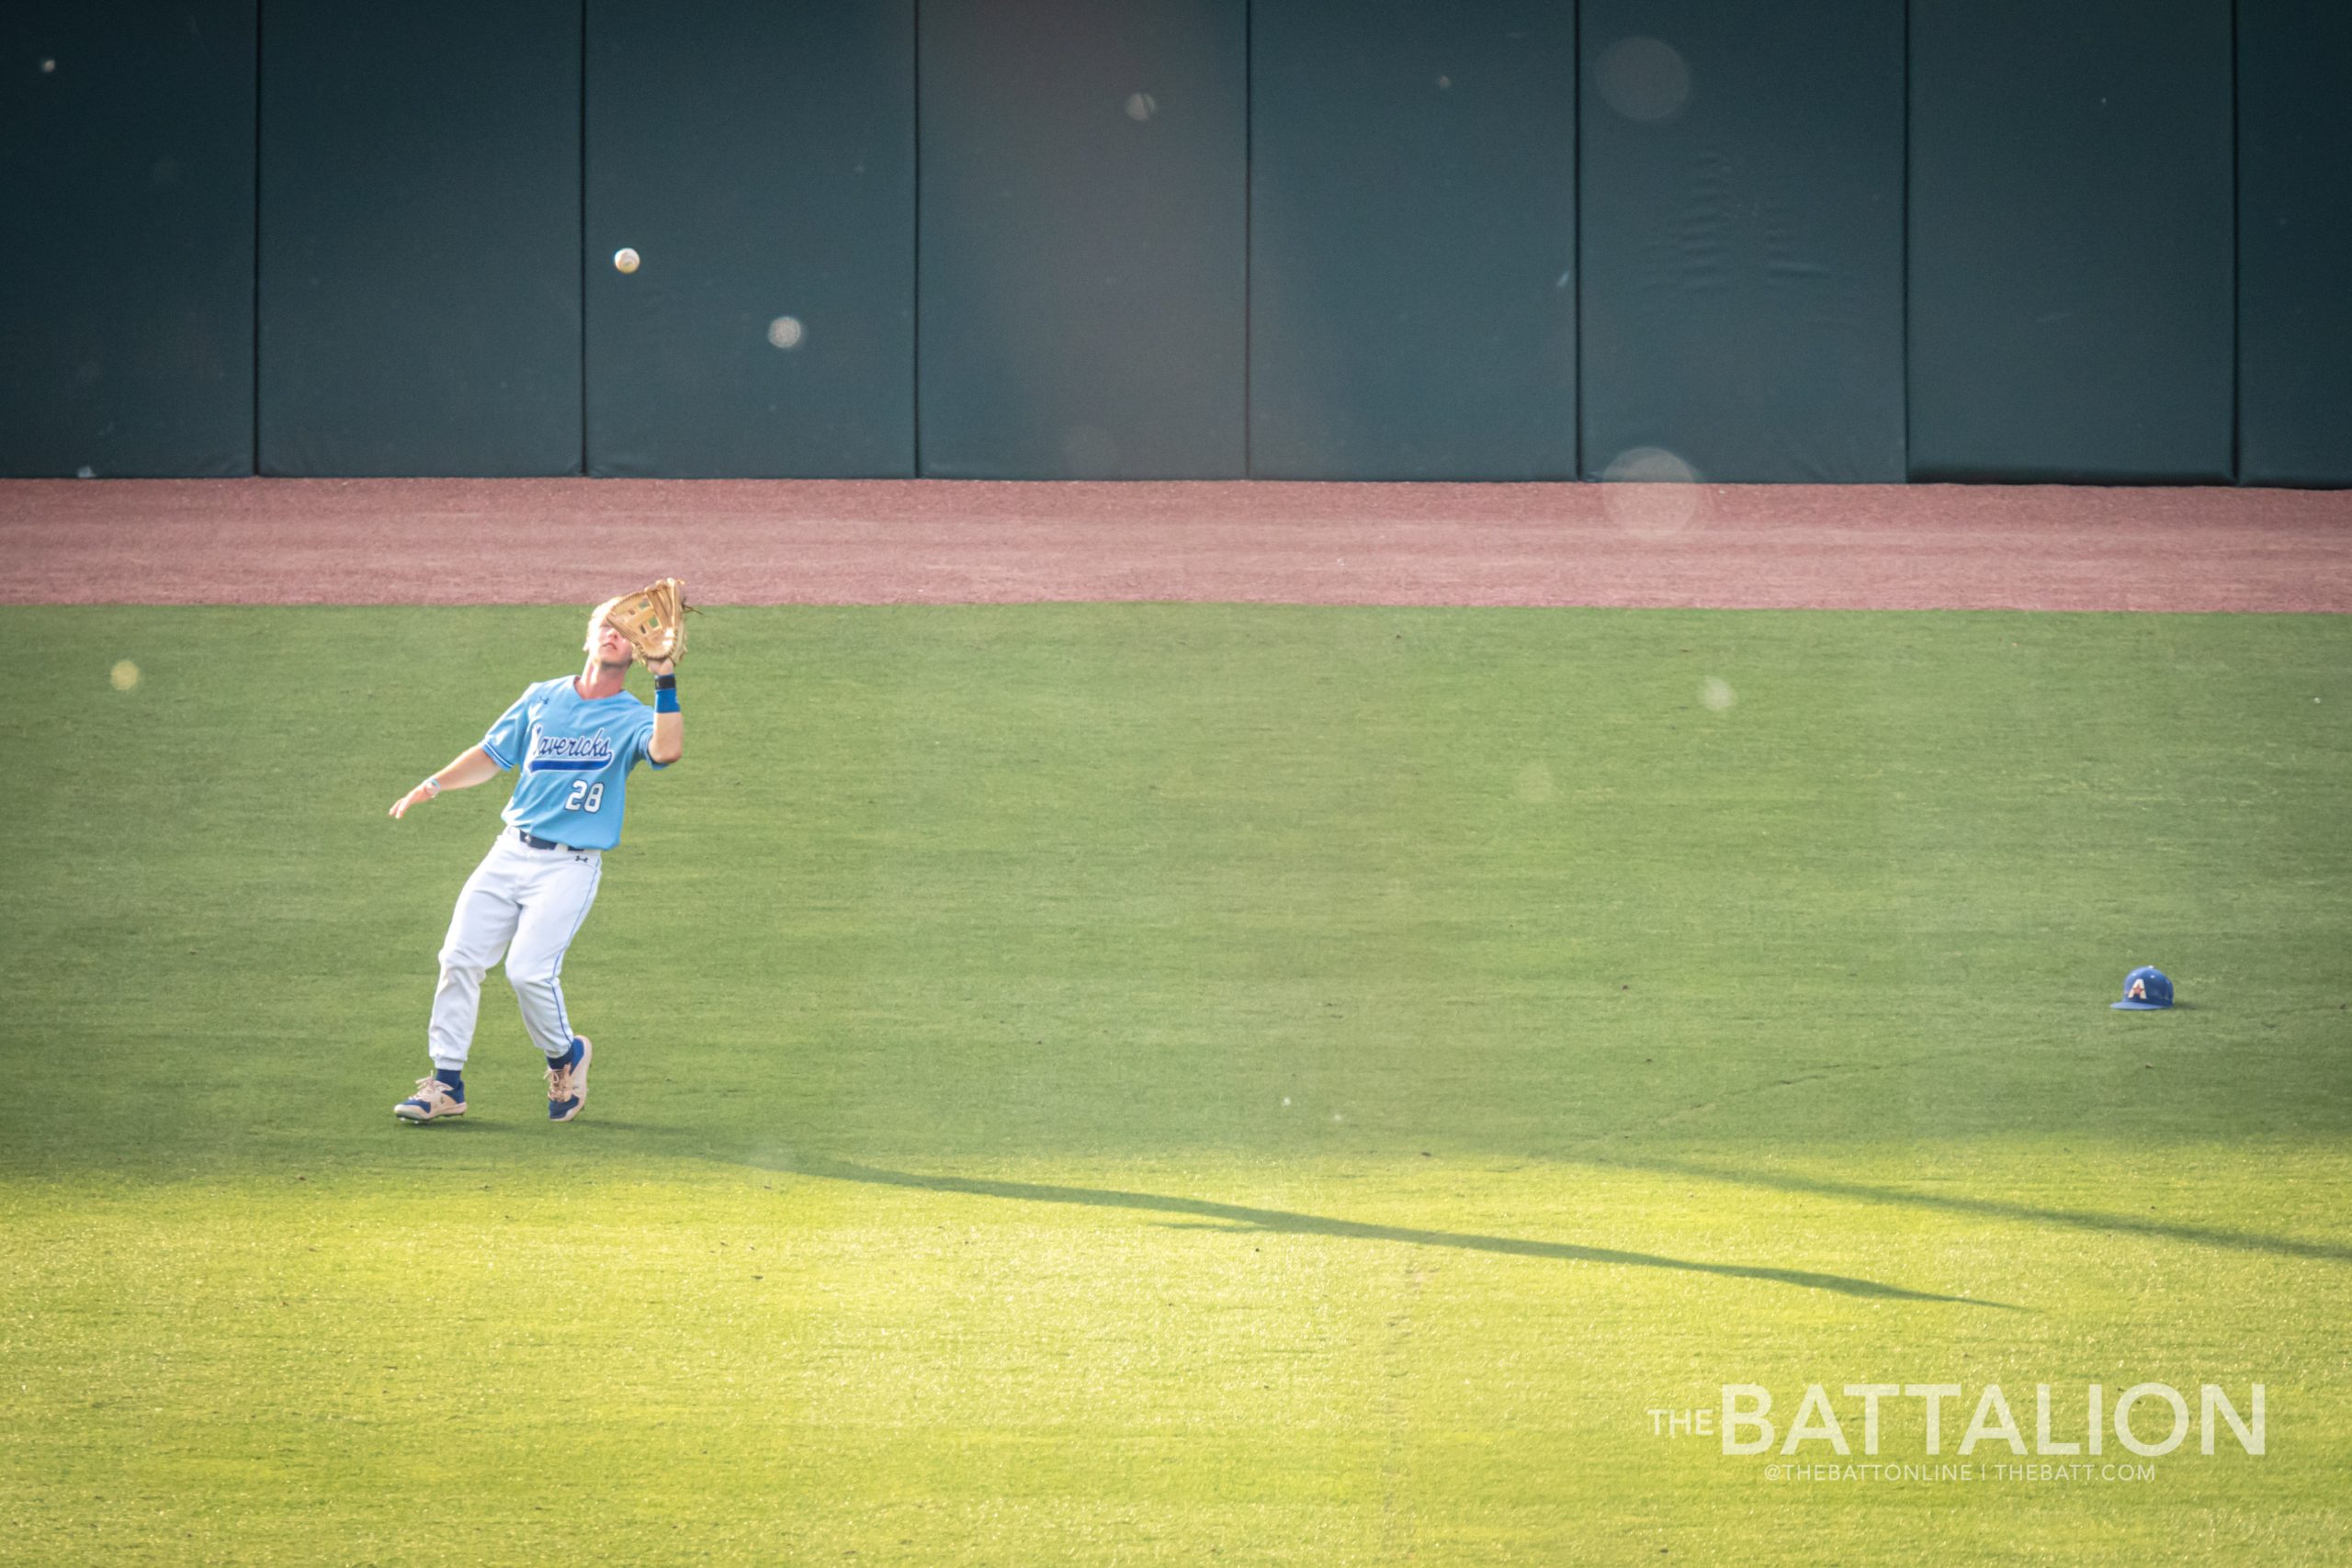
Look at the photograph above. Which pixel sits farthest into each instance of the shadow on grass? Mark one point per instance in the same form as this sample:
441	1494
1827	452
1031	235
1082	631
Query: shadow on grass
1995	1208
1282	1222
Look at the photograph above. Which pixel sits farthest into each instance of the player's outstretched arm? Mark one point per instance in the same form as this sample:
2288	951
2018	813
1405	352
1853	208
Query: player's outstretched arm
471	768
669	742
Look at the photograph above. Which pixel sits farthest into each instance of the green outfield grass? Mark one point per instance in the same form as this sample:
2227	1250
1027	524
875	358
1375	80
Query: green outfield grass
1176	1084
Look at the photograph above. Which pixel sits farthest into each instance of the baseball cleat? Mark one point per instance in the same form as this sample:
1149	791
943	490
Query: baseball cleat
431	1102
567	1081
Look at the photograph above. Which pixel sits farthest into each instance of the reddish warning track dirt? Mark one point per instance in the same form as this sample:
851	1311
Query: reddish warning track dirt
767	542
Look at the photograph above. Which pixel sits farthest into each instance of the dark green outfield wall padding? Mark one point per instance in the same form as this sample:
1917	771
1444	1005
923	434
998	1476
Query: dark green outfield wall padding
1741	226
1082	263
759	160
419	238
2295	241
2071	288
127	217
1294	239
1412	241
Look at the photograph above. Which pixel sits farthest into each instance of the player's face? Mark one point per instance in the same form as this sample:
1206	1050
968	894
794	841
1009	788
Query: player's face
610	646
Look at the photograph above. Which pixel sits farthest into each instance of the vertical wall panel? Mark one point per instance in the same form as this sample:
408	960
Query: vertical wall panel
2072	293
127	217
1741	228
1412	240
1083	263
419	238
2294	241
759	160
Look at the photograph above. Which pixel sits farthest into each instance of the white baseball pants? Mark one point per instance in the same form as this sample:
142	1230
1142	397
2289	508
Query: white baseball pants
527	905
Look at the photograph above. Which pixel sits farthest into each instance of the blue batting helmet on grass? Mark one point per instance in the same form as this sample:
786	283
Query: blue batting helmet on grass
2145	990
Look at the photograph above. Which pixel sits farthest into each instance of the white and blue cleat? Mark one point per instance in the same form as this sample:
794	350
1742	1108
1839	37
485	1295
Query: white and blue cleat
567	1081
433	1100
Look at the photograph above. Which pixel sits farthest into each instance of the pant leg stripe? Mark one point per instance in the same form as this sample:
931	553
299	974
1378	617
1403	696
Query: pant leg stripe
555	981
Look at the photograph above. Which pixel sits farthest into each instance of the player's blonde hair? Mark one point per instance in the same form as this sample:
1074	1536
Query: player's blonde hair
597	624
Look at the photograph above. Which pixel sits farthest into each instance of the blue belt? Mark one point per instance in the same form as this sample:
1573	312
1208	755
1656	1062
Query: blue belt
532	840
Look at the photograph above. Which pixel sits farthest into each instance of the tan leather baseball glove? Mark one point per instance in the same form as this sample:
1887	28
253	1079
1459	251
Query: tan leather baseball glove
653	619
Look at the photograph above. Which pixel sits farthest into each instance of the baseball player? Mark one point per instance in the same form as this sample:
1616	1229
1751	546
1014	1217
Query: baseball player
575	739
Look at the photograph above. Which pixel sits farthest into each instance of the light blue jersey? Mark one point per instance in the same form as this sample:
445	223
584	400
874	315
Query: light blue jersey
575	755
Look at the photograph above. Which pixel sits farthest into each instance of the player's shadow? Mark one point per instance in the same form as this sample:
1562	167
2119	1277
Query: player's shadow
1993	1208
1283	1221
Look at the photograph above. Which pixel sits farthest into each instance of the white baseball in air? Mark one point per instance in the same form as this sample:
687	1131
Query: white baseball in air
624	260
786	331
124	675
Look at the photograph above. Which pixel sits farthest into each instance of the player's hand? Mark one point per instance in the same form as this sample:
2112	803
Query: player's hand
661	665
416	797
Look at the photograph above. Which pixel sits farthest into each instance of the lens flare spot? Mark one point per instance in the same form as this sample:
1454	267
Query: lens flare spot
1644	79
1650	492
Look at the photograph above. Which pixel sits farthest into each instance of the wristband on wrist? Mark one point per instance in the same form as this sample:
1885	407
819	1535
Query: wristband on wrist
665	699
666	683
431	787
